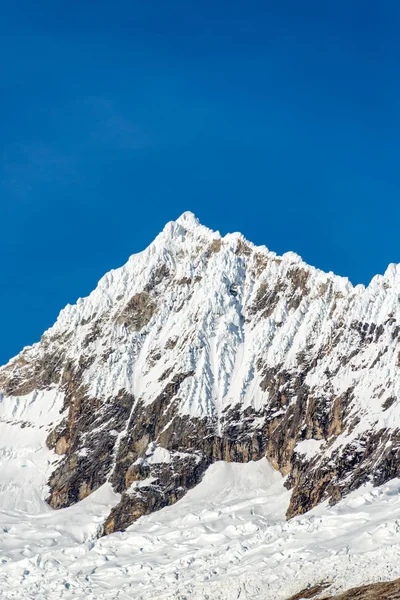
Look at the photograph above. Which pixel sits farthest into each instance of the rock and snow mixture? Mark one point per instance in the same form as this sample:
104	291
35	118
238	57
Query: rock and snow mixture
225	388
227	538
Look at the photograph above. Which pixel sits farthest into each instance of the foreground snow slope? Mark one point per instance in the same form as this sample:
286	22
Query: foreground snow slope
226	539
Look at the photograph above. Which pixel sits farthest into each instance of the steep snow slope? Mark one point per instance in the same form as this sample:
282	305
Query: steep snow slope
25	461
204	348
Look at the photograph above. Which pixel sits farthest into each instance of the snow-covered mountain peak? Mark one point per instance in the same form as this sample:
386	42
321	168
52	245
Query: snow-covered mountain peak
204	347
186	227
188	220
392	274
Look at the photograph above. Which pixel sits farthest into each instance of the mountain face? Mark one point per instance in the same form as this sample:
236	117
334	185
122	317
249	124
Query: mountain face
206	348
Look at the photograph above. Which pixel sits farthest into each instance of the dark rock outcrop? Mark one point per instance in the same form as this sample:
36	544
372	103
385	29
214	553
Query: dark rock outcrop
388	590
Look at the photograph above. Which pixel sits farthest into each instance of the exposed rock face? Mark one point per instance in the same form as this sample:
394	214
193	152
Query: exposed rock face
138	312
388	590
204	348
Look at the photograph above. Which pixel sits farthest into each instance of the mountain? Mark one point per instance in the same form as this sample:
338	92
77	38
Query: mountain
205	348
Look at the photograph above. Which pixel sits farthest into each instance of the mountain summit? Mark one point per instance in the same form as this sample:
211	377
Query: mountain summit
204	348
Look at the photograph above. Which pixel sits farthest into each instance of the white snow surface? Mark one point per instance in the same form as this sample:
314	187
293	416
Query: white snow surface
25	461
226	539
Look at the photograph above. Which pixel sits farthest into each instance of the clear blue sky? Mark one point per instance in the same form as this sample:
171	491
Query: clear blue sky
277	119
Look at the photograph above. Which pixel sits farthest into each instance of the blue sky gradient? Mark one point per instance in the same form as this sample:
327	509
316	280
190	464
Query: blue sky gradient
276	119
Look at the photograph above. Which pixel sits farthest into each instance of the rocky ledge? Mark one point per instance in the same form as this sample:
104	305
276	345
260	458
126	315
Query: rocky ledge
389	590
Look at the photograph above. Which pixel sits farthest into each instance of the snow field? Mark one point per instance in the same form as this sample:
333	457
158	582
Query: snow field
227	538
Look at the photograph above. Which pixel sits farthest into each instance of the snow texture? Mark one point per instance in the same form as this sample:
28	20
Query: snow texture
227	538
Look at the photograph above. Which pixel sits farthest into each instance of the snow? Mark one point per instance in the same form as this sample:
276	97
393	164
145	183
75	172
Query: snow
309	448
25	461
227	538
157	454
136	485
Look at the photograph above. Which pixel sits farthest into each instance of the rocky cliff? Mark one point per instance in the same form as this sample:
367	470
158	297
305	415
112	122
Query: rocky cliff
389	590
204	348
